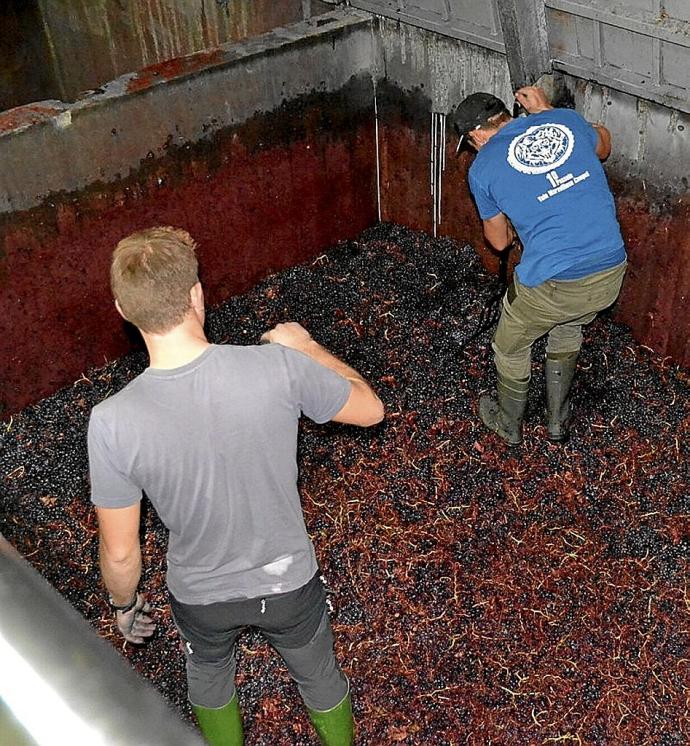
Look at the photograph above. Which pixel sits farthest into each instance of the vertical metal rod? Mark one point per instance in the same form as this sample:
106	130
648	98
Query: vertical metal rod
431	149
440	167
431	162
433	171
443	119
378	158
436	176
441	158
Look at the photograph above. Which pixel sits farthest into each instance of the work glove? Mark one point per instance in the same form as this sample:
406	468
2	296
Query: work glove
135	625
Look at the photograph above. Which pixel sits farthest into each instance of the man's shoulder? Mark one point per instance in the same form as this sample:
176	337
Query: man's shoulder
568	117
115	404
227	354
567	114
252	360
484	165
520	125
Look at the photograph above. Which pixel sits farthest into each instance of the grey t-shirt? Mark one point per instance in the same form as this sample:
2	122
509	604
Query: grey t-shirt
214	446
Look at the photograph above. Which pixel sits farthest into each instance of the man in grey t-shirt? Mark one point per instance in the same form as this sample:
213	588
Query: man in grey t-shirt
209	433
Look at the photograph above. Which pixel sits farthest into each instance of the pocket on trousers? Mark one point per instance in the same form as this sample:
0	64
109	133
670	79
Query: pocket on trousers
602	297
511	293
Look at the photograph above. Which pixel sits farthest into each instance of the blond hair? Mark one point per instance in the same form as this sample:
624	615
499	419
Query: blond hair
151	274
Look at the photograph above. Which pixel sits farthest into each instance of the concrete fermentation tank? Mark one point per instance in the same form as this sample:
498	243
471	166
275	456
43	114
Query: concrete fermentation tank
273	131
272	148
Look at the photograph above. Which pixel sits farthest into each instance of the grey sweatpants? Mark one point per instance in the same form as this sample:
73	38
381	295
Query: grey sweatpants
297	626
559	308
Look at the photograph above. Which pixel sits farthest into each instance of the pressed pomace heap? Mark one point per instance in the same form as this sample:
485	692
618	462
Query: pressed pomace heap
482	595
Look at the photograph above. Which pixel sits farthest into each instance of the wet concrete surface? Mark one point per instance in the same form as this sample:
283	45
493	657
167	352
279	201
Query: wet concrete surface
259	197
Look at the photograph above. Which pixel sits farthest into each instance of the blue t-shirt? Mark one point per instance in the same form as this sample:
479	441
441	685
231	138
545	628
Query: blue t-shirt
542	171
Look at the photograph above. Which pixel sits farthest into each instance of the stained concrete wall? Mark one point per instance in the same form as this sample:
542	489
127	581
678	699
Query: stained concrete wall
266	151
77	45
26	72
421	72
263	150
651	142
649	170
55	147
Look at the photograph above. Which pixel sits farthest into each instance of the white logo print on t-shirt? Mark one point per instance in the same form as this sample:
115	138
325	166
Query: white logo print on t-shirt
541	150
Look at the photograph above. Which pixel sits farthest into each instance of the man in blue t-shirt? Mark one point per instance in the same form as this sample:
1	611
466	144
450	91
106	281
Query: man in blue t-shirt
540	179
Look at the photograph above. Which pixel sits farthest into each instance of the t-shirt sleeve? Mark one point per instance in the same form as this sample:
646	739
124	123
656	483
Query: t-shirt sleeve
319	392
485	202
110	486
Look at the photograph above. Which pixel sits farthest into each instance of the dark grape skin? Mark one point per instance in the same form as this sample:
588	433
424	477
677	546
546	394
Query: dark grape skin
459	567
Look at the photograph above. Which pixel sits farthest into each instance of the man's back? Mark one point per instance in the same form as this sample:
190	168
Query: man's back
544	174
213	445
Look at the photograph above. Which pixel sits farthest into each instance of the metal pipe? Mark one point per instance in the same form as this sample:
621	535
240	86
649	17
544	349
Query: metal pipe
378	157
433	170
437	164
61	683
441	160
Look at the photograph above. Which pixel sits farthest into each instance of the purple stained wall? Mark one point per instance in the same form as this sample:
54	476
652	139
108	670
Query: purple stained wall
268	168
255	203
655	295
259	191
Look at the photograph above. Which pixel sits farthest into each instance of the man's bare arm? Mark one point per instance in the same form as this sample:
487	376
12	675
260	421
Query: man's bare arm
603	147
363	406
120	552
499	232
533	99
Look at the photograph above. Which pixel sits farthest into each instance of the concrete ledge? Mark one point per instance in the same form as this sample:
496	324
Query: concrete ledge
50	146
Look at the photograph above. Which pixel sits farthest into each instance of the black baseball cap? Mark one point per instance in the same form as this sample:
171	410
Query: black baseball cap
475	110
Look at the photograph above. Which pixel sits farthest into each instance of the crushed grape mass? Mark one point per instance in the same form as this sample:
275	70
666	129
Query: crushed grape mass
481	594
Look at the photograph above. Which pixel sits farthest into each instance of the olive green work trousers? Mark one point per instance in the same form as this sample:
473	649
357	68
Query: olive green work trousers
559	308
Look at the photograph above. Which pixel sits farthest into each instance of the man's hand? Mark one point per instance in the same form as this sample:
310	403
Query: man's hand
289	334
135	624
532	99
363	407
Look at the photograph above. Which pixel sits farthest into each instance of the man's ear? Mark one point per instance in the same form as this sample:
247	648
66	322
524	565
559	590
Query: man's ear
119	310
479	137
196	296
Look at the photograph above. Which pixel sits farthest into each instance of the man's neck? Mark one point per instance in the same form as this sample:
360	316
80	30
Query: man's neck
491	132
178	347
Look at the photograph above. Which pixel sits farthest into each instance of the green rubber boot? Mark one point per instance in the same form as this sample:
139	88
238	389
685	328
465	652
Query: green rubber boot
336	727
221	726
560	370
504	413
